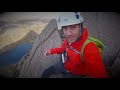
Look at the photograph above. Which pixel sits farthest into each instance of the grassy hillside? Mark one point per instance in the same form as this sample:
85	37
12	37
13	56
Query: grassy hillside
15	32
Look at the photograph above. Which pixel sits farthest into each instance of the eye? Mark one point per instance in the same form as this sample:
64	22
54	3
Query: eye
72	26
64	28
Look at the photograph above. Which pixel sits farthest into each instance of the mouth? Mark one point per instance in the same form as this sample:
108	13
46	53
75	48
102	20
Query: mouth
70	38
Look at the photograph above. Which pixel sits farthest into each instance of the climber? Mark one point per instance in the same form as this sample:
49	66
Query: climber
71	24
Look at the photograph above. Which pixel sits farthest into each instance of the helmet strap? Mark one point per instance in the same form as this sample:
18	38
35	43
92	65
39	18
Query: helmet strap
81	31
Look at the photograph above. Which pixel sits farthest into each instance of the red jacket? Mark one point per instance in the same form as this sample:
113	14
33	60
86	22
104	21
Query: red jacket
93	65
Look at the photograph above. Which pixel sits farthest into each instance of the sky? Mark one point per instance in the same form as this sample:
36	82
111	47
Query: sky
14	16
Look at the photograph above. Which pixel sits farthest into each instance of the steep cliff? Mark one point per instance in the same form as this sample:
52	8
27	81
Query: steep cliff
34	65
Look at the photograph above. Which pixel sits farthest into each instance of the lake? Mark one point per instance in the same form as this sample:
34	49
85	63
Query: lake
14	55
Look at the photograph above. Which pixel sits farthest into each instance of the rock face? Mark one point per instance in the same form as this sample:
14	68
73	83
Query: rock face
36	63
105	26
115	69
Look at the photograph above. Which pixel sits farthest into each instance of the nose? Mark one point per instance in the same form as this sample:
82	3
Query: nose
69	32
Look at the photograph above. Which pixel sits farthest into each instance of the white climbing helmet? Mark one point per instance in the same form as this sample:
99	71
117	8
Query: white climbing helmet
69	18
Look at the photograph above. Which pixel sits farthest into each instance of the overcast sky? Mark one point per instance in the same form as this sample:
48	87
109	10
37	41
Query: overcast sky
13	16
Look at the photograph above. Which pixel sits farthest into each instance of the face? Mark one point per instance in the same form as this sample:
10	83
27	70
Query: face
72	32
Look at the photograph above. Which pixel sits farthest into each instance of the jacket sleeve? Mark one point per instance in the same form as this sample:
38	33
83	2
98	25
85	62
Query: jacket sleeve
58	50
94	64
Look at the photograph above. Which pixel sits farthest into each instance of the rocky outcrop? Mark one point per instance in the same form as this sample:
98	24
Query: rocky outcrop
36	63
15	31
29	38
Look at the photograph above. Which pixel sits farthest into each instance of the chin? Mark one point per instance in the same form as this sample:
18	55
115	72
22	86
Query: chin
71	41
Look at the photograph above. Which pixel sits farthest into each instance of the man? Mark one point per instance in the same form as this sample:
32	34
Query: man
75	35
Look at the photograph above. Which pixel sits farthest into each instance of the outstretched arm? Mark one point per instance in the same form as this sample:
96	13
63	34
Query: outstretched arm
58	50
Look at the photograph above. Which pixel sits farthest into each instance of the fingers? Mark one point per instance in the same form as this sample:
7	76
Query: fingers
47	53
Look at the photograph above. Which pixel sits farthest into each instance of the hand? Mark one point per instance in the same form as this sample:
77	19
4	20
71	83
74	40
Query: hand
47	53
